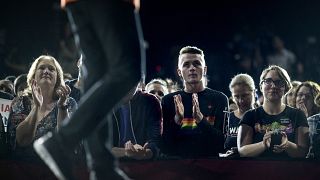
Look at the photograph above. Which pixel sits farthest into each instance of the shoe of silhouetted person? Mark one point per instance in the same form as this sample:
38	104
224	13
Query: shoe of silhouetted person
57	158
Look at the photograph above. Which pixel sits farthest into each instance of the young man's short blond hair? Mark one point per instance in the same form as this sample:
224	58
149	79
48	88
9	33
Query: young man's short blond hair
191	50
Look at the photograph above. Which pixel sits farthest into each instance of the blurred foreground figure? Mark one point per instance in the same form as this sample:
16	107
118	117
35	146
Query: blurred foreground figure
108	35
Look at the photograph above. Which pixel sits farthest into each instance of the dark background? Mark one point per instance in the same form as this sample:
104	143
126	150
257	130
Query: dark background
227	31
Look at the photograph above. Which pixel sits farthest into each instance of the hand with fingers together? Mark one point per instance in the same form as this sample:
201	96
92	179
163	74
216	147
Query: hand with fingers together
267	139
284	144
196	113
179	109
135	151
36	94
63	94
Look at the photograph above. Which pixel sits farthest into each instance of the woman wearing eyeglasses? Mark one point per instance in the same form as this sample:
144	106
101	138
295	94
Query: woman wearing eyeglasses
273	129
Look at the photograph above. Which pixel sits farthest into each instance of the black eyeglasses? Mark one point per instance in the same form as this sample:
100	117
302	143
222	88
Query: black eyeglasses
278	83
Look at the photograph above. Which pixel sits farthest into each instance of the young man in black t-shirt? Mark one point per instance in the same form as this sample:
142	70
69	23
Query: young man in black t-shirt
193	117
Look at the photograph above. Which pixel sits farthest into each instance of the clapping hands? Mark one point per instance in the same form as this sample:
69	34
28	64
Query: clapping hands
36	94
196	113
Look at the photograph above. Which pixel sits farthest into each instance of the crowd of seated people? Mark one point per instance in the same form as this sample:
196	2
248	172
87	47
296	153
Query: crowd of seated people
163	121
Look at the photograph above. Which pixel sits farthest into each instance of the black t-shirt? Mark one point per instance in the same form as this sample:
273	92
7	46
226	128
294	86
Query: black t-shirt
191	139
287	121
232	131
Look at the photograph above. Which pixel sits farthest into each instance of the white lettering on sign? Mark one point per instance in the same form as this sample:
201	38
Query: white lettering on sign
5	111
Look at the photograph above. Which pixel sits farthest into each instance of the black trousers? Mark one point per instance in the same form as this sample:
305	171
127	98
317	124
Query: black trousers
106	32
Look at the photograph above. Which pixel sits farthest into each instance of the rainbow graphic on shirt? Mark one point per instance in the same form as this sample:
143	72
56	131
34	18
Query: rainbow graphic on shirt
188	123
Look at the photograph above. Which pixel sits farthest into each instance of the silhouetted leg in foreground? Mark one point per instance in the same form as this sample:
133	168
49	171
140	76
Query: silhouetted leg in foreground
109	40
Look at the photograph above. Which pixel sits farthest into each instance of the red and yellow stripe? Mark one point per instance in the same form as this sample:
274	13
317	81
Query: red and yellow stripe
188	123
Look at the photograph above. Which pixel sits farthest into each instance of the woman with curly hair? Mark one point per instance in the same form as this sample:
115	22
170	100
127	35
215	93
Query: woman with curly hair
305	95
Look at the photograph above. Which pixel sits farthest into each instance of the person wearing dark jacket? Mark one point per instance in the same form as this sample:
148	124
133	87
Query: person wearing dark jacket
137	127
